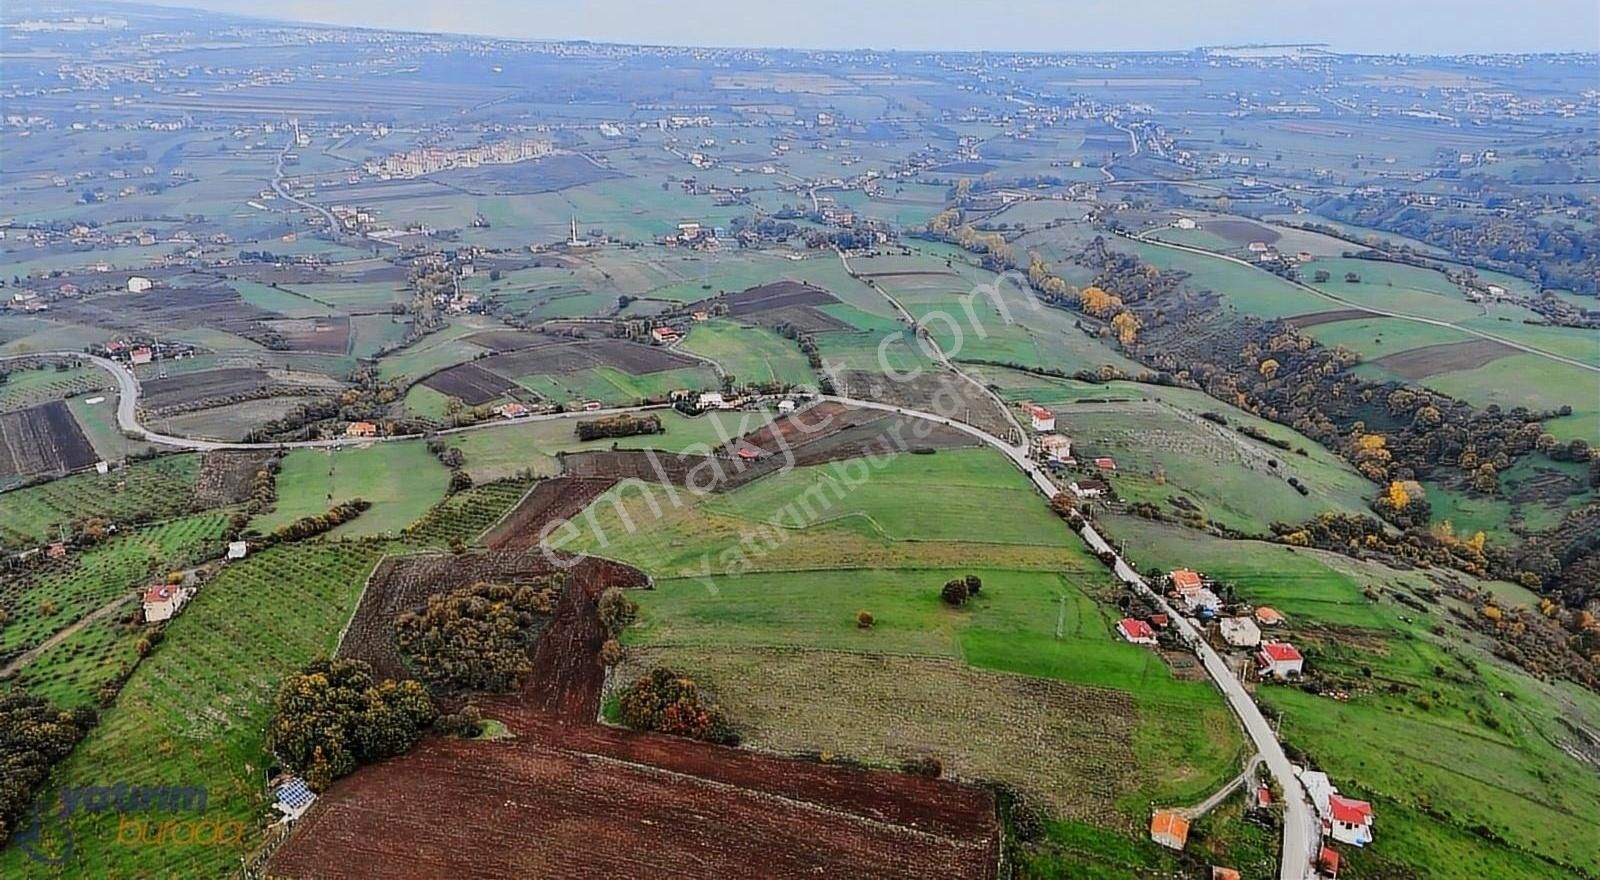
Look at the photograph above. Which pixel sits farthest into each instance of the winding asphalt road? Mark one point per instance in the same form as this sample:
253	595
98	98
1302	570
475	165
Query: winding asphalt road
1301	830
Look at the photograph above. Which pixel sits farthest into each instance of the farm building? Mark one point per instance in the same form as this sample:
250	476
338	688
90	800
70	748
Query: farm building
1240	632
139	284
161	602
1105	464
361	429
1136	631
56	551
785	407
238	549
1055	447
663	335
1184	223
1185	581
1269	616
591	405
140	355
1041	418
1089	488
1258	247
512	410
1279	660
1169	828
712	400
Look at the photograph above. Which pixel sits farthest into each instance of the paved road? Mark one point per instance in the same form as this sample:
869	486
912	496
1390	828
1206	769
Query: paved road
1365	308
283	191
128	415
1301	828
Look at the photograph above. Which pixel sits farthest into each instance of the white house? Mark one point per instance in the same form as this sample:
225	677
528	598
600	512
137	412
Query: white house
711	400
1136	631
238	549
1043	419
1346	820
1055	447
1184	223
785	407
1240	632
1279	660
139	284
1089	488
161	602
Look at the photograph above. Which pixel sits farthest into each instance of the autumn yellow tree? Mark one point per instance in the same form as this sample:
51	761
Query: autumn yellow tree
1396	495
1126	325
1268	368
1098	302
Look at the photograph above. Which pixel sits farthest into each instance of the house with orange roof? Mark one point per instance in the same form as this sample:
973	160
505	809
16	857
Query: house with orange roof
1169	828
361	429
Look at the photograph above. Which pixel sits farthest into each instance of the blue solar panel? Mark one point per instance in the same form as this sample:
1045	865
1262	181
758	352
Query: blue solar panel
295	795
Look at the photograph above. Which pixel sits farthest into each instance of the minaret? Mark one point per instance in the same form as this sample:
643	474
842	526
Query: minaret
574	238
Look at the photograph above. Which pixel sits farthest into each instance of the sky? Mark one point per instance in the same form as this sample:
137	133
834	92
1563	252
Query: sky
1383	26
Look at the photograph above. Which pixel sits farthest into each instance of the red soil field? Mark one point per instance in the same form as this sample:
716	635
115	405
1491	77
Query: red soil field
549	501
537	807
568	797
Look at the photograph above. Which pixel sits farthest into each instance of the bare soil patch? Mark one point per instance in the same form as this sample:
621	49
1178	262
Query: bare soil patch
570	356
784	302
470	382
1241	232
43	439
1429	360
548	501
325	335
1332	316
228	476
943	393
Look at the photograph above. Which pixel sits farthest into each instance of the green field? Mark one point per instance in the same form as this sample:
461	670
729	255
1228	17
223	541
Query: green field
145	490
400	479
1468	741
752	354
194	713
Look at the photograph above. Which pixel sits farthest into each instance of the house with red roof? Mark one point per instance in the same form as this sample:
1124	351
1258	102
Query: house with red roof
162	601
1269	616
1328	863
141	356
361	429
1136	631
1105	464
1349	820
1042	419
512	410
1279	660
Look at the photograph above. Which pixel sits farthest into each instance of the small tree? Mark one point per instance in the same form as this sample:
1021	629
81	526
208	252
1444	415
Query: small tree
954	592
617	611
864	619
611	652
974	584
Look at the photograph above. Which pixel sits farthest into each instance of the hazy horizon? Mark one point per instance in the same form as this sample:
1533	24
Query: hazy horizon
1356	26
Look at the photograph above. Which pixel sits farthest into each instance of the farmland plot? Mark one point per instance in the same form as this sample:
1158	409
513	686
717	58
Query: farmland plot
43	439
